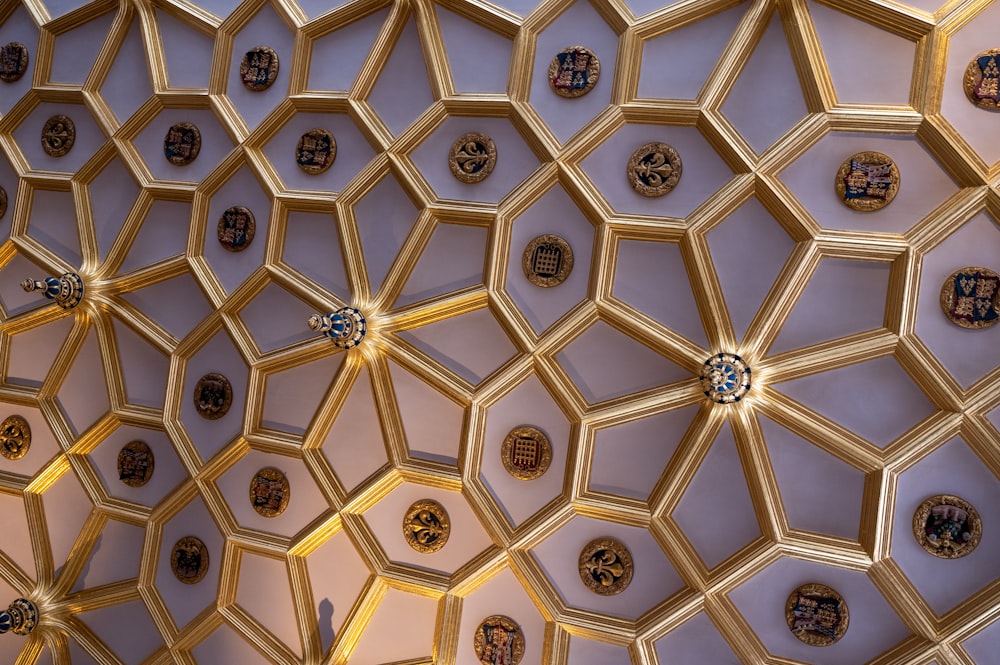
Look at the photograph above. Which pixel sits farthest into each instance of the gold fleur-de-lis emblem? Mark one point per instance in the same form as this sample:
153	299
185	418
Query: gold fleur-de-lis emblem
606	566
654	170
426	526
471	157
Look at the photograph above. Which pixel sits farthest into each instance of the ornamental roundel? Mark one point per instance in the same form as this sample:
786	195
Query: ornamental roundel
472	157
574	71
654	169
3	202
236	229
816	614
526	452
947	526
15	437
316	151
725	378
269	492
182	143
969	298
867	181
13	61
426	526
499	641
189	560
213	395
135	464
58	135
547	261
606	566
982	77
259	68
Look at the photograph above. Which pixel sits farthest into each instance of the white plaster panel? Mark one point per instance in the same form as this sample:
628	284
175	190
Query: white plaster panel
564	116
264	593
185	52
432	423
819	492
505	596
45	657
337	574
76	50
32	351
453	260
168	472
114	558
215	144
19	28
293	395
345	49
384	218
354	445
695	642
17	538
653	579
144	367
312	246
554	213
766	100
226	645
641	7
874	627
590	652
78	656
163	234
186	601
233	267
15	300
472	345
220	356
515	160
277	318
9	184
128	84
52	224
402	90
264	29
177	304
951	469
982	645
719	490
923	185
112	195
59	8
967	354
640	264
67	507
842	297
386	639
353	152
527	404
629	458
519	7
875	399
604	363
89	137
994	417
44	446
746	277
486	70
83	396
697	46
133	644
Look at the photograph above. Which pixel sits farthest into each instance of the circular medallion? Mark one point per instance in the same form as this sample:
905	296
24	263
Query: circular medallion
499	641
969	298
472	157
947	526
13	61
816	614
259	68
189	560
547	260
15	437
574	71
269	492
182	143
867	181
58	135
426	526
526	452
213	395
606	566
725	378
236	228
654	169
981	80
135	464
316	151
3	202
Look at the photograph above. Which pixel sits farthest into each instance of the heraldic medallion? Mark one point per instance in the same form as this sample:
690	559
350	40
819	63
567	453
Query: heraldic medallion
606	566
189	560
816	614
472	157
259	68
426	526
547	261
947	526
3	202
15	437
236	228
135	464
725	378
654	169
969	298
526	452
315	151
213	395
269	492
182	143
13	61
58	135
499	641
982	77
574	71
867	181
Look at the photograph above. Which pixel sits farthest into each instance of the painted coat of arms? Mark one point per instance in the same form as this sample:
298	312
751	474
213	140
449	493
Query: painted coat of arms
969	297
982	80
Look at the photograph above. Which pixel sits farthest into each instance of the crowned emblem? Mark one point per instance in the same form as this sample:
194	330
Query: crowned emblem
947	526
189	560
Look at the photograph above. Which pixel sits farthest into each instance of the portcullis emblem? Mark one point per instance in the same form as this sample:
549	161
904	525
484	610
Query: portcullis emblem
526	452
547	260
